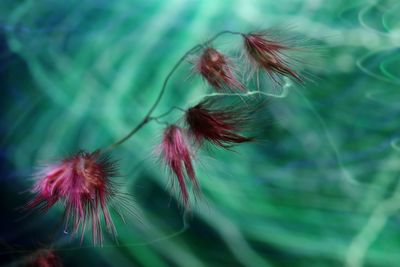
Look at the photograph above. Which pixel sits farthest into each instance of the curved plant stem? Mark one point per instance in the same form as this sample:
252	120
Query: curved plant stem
147	118
168	112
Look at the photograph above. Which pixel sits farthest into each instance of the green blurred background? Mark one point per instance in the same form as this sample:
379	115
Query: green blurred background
322	189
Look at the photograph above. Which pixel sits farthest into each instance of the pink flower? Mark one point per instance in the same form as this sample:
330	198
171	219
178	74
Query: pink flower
44	258
206	121
83	184
218	71
270	52
177	156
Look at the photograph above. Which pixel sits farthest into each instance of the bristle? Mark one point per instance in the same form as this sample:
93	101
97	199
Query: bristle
221	127
83	182
177	155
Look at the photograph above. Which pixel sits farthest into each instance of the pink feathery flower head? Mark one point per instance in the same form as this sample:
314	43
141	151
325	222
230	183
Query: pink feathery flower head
44	258
83	184
273	53
220	126
177	156
218	70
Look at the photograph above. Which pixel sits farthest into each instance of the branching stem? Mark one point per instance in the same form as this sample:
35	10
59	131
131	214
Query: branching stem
147	118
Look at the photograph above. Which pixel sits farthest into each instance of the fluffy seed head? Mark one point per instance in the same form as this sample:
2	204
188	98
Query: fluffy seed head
220	126
218	70
177	156
82	182
268	54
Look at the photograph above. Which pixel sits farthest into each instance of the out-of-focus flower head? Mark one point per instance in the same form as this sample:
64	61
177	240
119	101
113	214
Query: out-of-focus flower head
44	258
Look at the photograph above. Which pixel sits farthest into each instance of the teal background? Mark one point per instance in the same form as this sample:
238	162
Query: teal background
321	189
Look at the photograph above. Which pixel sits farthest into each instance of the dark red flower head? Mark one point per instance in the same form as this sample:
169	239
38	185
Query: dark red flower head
177	156
218	71
270	55
220	126
82	182
44	258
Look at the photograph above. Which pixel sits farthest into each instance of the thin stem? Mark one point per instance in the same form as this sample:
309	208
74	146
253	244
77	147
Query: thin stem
168	112
218	35
147	118
157	120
